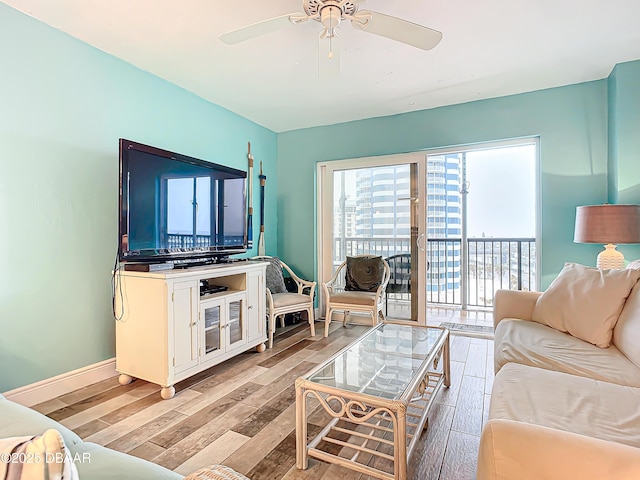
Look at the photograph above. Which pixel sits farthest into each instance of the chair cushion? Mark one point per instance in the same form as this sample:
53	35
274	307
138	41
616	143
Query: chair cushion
364	274
534	344
355	298
586	302
286	299
275	279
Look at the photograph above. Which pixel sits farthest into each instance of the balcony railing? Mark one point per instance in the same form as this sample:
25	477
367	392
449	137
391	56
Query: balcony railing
491	264
178	240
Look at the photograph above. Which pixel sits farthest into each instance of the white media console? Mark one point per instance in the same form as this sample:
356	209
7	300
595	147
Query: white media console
167	331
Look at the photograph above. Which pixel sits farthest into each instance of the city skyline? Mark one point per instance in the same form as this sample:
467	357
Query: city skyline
499	191
493	176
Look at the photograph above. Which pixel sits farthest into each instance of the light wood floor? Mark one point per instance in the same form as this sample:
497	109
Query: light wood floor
242	413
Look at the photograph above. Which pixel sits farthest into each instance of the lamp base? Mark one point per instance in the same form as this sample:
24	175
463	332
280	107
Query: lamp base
610	258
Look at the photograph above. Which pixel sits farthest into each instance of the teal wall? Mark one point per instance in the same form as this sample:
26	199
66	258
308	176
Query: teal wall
612	145
64	106
624	133
570	121
624	139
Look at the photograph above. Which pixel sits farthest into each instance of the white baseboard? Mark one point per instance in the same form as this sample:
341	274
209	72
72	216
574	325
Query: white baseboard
53	387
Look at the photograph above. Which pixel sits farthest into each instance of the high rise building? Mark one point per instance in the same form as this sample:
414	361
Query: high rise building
444	225
382	213
382	209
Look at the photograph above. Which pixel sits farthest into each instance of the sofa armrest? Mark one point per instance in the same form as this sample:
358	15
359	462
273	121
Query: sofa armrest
513	304
510	450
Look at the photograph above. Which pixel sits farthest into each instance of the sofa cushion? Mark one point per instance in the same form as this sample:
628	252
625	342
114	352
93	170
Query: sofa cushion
530	343
567	402
100	463
46	457
92	461
634	264
626	334
19	421
586	302
523	451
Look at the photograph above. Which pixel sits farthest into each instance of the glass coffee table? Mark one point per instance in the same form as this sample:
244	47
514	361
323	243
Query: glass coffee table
377	393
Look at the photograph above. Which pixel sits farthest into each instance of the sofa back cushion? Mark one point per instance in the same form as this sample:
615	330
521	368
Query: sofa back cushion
626	334
45	457
17	421
585	302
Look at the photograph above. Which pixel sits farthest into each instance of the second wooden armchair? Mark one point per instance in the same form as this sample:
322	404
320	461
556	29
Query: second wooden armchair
280	301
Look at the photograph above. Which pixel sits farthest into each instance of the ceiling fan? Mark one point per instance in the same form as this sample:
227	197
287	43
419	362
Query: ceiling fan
330	13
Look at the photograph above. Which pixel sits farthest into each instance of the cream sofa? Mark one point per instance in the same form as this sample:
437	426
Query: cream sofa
562	408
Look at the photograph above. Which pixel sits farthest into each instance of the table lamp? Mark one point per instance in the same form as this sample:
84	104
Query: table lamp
609	225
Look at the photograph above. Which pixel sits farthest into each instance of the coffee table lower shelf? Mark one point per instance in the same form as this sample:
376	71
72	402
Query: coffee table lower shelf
367	434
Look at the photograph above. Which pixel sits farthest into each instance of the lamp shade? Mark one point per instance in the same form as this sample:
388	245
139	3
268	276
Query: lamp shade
607	224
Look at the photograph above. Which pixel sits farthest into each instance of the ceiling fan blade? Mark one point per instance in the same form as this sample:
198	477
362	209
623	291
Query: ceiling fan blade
396	29
259	29
329	50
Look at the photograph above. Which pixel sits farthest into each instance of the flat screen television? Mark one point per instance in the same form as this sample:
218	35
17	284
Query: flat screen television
176	207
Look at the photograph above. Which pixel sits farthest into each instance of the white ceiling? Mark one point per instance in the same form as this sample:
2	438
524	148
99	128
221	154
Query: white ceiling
490	48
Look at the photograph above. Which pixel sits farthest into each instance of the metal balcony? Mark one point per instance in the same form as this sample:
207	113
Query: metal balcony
492	264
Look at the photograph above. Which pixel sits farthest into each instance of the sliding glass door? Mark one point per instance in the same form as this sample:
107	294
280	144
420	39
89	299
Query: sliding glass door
373	206
481	222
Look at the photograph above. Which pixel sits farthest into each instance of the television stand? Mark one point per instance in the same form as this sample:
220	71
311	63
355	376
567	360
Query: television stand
171	328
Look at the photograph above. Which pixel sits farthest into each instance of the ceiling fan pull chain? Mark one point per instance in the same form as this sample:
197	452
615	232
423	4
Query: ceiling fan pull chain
331	36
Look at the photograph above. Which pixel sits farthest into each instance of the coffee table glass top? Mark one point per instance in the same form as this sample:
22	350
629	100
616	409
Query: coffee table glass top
382	362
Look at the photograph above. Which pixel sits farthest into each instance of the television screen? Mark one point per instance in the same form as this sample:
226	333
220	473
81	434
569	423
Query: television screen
177	207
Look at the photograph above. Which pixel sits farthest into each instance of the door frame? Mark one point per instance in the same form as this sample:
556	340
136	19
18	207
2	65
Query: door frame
325	174
513	142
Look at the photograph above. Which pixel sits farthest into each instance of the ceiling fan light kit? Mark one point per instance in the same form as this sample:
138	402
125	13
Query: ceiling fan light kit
314	7
330	14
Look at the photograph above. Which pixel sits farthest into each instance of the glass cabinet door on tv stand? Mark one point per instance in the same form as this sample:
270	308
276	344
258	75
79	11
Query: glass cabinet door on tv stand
224	329
211	313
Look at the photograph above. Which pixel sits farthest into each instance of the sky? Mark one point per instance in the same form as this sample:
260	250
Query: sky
502	192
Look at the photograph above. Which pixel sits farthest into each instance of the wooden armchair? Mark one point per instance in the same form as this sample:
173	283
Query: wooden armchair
280	301
340	295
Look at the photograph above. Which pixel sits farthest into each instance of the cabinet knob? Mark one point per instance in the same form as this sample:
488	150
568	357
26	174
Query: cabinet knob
250	307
